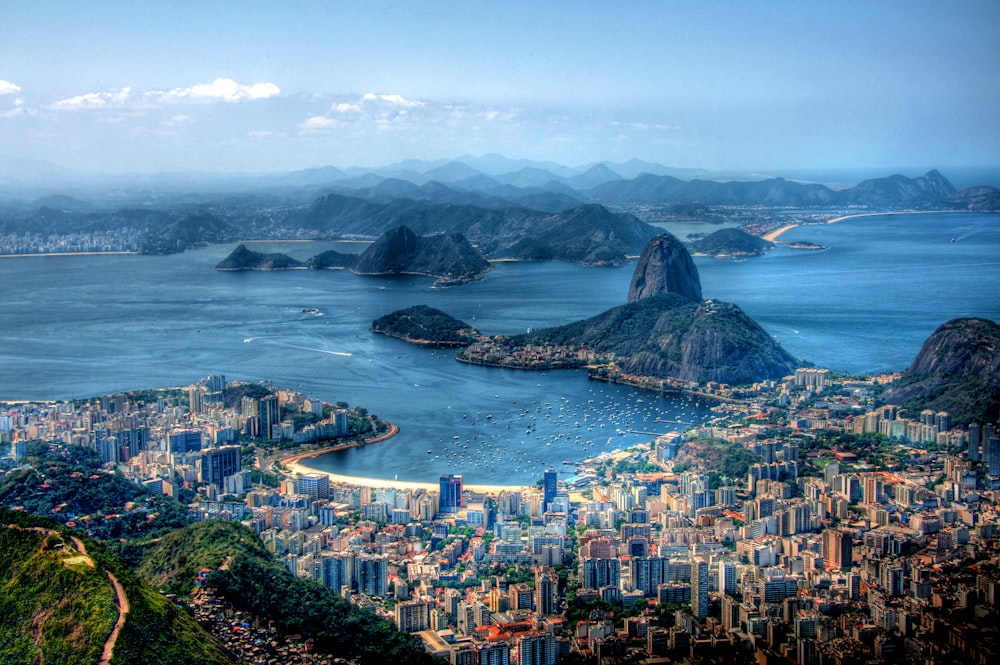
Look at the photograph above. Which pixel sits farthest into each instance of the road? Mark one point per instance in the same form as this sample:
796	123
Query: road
123	607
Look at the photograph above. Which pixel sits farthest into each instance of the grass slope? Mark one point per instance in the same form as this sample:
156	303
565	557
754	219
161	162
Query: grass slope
58	606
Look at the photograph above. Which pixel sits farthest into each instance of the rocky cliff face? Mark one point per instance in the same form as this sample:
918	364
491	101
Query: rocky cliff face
449	257
665	267
957	370
392	253
714	342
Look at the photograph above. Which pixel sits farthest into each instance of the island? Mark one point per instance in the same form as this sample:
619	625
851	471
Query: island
426	326
448	257
242	258
730	243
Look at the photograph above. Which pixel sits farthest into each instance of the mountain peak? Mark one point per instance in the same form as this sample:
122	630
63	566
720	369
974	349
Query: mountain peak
665	266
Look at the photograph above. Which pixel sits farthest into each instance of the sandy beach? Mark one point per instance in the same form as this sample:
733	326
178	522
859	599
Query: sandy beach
295	465
773	235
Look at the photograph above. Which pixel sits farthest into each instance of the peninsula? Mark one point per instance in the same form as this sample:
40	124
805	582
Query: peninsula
665	331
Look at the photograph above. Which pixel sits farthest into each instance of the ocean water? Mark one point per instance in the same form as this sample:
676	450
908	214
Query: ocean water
78	326
867	303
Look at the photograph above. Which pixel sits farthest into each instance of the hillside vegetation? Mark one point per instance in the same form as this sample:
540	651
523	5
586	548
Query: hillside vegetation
247	576
58	605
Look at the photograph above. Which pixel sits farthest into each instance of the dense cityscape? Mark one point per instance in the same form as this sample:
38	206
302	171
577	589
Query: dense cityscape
801	523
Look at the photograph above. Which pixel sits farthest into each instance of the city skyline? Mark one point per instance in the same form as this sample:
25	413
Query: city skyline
136	88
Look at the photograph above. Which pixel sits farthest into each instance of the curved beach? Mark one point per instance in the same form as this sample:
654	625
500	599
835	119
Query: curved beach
295	466
773	235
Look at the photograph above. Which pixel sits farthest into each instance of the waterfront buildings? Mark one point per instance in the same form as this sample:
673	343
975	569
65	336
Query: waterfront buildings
819	552
450	496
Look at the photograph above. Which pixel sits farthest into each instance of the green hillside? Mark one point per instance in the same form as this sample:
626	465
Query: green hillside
58	605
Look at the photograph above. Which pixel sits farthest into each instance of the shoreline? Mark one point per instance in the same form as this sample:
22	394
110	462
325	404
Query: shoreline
17	256
771	236
295	465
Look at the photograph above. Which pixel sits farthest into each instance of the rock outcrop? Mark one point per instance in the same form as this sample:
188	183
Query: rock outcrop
449	257
665	267
957	370
242	258
715	342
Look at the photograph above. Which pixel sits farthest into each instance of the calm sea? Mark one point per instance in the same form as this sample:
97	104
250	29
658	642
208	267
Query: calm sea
76	327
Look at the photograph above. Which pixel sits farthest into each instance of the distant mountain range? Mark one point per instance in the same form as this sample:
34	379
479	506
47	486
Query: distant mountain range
533	211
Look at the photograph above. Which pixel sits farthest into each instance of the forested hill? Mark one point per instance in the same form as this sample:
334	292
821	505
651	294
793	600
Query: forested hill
957	370
59	604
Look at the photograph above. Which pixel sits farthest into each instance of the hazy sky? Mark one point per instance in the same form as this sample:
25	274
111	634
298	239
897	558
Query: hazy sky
260	86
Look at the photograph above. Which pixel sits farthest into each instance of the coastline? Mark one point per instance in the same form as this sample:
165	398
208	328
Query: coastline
771	236
295	465
16	256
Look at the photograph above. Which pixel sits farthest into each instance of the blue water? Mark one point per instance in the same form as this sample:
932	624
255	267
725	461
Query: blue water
74	327
866	304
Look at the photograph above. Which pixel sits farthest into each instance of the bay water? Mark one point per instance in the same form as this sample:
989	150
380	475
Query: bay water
78	326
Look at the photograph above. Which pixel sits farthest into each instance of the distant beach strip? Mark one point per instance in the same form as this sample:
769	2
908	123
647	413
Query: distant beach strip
771	236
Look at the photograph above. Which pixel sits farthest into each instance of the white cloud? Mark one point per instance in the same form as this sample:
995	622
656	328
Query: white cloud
8	88
399	100
346	107
95	100
370	102
319	123
226	90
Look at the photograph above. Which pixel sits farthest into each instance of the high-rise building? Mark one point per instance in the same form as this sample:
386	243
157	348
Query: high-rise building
269	416
991	450
538	649
599	573
316	485
413	616
494	653
215	383
727	577
699	588
549	482
372	574
184	441
451	493
974	442
838	549
337	570
194	394
546	591
217	463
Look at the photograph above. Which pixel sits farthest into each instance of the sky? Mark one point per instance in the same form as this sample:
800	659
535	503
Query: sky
248	86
